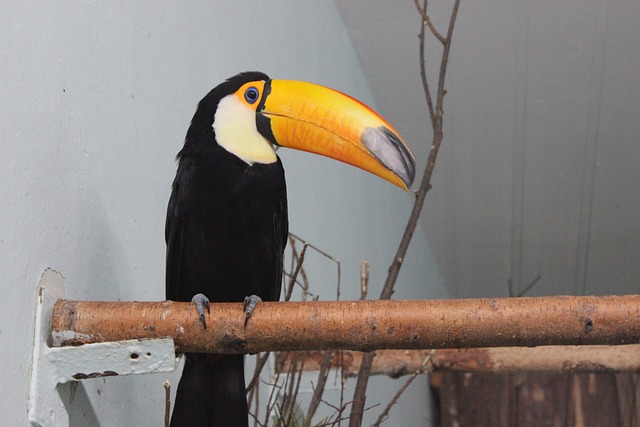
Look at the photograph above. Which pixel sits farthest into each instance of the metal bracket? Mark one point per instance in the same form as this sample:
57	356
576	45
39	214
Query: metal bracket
51	366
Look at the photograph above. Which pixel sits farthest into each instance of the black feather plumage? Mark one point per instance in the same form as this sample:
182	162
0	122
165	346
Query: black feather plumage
226	231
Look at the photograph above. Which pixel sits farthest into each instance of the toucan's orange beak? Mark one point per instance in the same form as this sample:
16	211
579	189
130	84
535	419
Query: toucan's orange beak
320	120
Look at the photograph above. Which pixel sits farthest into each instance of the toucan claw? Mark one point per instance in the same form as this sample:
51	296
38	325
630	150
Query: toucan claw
201	301
250	304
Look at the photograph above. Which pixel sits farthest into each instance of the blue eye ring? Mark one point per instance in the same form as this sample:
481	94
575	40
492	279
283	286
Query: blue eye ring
251	95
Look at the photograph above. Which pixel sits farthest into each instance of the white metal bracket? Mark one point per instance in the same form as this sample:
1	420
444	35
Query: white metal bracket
51	366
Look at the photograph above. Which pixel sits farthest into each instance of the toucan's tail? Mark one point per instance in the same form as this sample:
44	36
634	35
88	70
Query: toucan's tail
211	392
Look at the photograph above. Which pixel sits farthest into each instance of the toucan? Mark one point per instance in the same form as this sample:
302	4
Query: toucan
227	225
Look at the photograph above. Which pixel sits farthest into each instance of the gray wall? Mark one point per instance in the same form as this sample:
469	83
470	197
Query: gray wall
96	99
539	170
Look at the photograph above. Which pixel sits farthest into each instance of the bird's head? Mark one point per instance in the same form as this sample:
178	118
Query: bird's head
252	113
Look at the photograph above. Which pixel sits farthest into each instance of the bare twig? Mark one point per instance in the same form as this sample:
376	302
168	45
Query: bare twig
394	269
318	391
294	388
423	72
272	402
529	286
422	10
294	276
512	292
342	381
261	360
364	279
359	398
383	416
339	411
167	402
292	239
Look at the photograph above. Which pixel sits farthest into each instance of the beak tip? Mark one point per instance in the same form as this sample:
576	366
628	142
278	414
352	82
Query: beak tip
389	149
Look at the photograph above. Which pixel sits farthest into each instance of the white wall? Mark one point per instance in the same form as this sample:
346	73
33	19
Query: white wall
96	98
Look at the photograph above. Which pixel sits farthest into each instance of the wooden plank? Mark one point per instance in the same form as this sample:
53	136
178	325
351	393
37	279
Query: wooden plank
534	399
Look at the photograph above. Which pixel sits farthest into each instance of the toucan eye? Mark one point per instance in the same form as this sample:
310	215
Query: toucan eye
251	95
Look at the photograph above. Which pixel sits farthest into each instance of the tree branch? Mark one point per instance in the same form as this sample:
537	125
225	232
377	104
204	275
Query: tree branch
422	10
550	359
359	397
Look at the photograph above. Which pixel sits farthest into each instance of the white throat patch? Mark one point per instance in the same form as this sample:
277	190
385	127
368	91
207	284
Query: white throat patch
235	128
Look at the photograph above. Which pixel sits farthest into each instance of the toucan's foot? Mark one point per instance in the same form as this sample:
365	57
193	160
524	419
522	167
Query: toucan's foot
250	304
201	301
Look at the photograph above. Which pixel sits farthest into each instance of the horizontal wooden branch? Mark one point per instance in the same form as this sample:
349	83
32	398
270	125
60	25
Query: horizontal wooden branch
550	359
357	325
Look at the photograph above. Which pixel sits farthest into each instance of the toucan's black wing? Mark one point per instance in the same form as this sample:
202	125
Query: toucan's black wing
174	229
226	229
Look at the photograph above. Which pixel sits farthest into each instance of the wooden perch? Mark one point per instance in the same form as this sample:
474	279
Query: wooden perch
357	325
549	359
